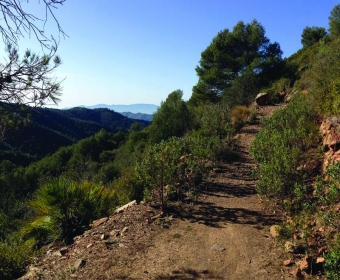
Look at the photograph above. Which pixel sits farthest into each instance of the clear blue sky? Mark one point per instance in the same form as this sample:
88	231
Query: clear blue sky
139	51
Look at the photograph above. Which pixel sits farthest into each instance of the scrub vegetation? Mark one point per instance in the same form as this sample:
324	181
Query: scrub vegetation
55	195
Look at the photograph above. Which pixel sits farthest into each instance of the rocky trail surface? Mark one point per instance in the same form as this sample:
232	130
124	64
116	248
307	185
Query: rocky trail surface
224	235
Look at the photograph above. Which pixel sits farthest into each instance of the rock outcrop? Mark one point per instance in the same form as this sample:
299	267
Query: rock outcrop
330	130
263	99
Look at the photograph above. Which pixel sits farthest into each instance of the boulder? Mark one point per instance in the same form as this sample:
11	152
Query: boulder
330	130
124	207
263	99
79	263
306	263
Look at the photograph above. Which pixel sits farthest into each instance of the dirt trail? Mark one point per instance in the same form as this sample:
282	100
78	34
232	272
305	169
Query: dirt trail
227	234
224	236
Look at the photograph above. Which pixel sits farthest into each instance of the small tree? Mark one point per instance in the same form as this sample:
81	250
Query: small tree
334	22
243	52
158	167
171	119
280	150
312	35
26	81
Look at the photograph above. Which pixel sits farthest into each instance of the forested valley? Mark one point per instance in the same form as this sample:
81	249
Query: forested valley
61	170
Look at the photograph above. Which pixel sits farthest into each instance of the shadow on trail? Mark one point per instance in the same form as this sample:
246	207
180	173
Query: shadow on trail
213	215
220	190
249	130
181	274
239	157
217	216
186	274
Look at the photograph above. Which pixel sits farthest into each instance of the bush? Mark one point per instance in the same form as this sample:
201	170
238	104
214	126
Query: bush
327	191
176	166
158	167
63	208
211	120
14	257
280	151
4	225
239	116
127	187
332	263
171	119
322	79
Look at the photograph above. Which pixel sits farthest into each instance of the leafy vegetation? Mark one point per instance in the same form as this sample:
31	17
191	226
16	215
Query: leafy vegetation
174	168
334	22
14	257
171	119
321	79
236	65
50	129
312	35
96	160
332	263
280	150
62	207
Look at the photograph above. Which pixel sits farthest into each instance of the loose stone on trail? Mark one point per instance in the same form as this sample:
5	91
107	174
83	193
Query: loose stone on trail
218	247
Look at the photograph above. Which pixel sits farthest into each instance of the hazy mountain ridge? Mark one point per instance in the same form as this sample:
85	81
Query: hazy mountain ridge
51	129
133	108
138	116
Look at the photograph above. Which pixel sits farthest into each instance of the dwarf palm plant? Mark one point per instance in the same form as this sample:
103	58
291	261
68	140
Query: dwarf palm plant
64	207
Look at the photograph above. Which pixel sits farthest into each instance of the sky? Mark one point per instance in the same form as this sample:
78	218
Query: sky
139	51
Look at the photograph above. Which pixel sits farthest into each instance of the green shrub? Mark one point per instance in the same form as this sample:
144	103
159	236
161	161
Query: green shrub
14	257
211	119
280	151
176	166
327	193
285	231
327	190
127	187
332	263
172	118
4	225
322	77
158	167
63	207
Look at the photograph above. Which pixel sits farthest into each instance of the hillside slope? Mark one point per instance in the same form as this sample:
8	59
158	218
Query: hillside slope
223	235
50	129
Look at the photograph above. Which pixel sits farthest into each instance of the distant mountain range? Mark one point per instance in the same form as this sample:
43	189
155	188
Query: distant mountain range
50	129
138	116
132	108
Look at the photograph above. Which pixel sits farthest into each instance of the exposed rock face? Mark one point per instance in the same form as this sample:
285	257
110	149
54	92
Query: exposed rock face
263	99
124	207
330	129
306	263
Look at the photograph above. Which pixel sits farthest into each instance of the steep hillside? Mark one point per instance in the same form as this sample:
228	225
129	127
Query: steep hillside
50	129
224	234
